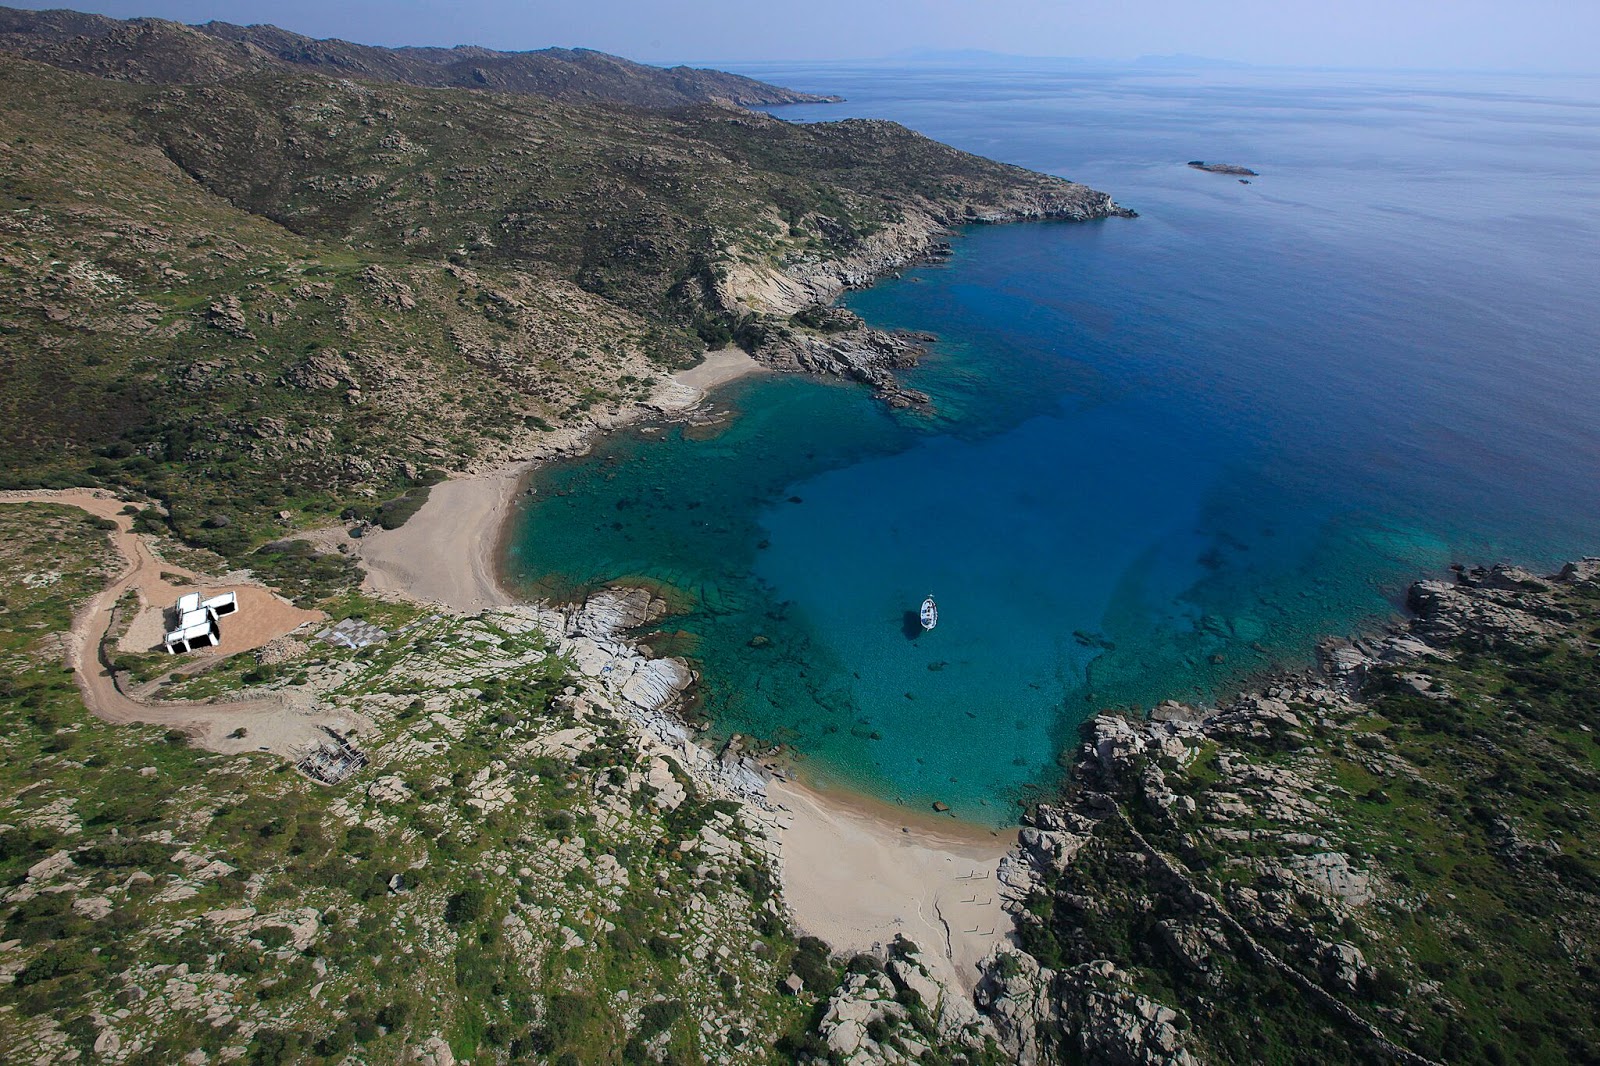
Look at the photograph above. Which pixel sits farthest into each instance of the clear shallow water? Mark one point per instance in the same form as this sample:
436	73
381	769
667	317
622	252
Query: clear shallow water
1170	452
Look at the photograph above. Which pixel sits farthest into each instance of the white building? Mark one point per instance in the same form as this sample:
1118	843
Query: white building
198	622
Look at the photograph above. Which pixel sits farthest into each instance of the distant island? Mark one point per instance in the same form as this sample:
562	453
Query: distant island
1223	168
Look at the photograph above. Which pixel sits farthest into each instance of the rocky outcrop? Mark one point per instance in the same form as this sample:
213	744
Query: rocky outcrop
798	328
1160	807
898	1013
1492	605
858	352
227	314
922	232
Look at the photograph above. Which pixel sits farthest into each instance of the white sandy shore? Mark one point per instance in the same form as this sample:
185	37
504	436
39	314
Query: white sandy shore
445	553
719	368
855	873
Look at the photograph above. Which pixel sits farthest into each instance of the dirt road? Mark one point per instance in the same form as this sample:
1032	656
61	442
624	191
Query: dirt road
286	724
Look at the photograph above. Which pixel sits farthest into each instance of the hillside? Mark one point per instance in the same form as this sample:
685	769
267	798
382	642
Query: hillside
169	53
524	872
285	293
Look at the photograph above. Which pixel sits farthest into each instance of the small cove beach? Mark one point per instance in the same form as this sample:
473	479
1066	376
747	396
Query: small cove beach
856	871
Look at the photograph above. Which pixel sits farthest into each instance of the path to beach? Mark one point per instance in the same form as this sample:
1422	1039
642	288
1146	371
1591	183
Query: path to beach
282	724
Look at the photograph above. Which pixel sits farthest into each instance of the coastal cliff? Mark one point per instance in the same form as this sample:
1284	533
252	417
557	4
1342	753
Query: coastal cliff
1388	858
786	305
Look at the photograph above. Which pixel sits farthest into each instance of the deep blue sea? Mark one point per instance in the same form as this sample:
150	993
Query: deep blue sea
1170	452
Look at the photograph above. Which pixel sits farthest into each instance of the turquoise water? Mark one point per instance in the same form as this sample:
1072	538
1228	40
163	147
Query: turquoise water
1169	453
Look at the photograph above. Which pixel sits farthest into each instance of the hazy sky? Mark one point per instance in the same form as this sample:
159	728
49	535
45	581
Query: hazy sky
1472	34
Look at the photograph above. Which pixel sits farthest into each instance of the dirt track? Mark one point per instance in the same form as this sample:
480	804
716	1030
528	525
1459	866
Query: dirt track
284	723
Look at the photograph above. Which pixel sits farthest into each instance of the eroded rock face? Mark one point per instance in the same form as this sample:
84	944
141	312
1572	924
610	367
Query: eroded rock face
802	332
861	1001
614	611
922	231
1014	995
322	369
1119	1026
1585	571
1500	605
896	1014
1086	1013
860	353
227	315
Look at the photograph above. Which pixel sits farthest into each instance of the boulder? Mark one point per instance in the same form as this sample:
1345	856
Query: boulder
49	868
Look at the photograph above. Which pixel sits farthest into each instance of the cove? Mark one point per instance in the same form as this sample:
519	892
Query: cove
1168	454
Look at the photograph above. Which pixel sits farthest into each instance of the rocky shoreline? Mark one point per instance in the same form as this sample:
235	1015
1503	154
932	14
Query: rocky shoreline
800	328
1099	1007
1153	811
1130	804
1124	786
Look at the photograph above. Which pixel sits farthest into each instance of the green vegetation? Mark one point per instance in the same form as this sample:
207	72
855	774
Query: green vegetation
519	897
154	50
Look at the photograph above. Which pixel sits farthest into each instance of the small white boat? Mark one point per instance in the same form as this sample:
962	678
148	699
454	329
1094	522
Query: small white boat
930	613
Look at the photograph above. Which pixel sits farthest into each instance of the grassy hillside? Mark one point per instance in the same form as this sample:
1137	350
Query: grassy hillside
159	900
286	293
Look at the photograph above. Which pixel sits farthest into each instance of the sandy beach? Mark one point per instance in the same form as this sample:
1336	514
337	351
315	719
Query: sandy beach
445	553
719	368
448	552
858	873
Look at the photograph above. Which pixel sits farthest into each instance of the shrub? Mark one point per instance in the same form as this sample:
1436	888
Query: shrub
863	963
272	1047
567	1014
274	936
468	905
812	966
394	1014
658	1016
392	514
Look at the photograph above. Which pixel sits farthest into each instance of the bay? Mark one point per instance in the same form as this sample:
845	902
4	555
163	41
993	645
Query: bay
1169	453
